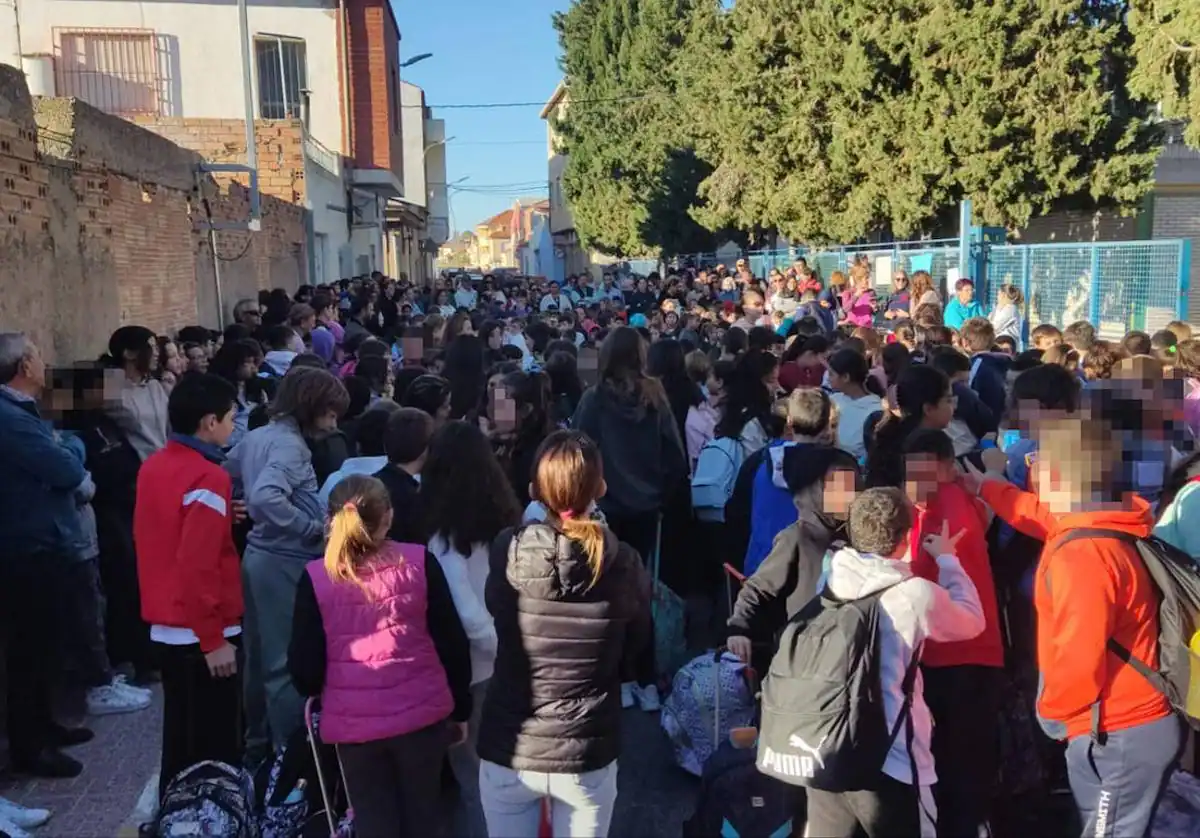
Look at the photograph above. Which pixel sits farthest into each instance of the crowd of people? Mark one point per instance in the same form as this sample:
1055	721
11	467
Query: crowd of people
437	509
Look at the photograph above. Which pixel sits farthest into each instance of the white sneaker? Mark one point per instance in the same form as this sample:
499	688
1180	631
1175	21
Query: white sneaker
7	827
626	696
124	686
648	699
21	816
109	700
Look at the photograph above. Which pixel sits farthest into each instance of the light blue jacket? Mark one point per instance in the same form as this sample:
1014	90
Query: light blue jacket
272	469
1173	526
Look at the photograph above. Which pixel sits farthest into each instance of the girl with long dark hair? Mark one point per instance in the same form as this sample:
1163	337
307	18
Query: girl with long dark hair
468	501
627	414
926	402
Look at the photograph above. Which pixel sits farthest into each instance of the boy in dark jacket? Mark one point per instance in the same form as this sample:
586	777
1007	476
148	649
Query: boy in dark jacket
406	441
822	480
190	577
989	370
973	419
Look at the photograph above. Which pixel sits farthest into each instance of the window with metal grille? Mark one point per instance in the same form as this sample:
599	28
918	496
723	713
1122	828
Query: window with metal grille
115	70
282	76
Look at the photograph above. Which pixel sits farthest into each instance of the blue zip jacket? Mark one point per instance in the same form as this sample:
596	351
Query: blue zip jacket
38	509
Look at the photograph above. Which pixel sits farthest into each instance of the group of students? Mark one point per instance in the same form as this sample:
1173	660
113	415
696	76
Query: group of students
440	526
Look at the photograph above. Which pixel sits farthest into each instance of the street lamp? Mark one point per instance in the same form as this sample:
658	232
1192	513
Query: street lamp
437	143
415	59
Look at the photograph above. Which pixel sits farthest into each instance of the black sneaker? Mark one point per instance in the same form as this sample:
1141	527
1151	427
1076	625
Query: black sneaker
69	737
49	763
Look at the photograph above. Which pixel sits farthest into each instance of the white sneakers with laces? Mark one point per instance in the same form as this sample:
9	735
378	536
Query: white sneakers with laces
648	699
116	697
627	699
15	818
644	697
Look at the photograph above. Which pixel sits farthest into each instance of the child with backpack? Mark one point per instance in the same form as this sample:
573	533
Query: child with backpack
962	678
376	635
866	764
190	577
1097	605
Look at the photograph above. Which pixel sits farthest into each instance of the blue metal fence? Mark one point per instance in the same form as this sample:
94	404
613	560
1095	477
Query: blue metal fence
1117	286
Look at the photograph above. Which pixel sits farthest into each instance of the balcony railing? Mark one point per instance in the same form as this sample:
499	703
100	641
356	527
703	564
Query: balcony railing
321	156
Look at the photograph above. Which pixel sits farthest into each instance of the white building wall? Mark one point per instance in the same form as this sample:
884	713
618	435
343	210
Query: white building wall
412	130
331	235
437	193
200	59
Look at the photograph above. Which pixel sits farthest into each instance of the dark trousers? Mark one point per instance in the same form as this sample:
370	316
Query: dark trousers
965	704
393	784
128	634
1118	785
890	810
83	621
639	531
31	591
202	715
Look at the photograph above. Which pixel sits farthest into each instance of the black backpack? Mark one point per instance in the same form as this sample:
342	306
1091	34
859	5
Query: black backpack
737	801
823	723
1177	577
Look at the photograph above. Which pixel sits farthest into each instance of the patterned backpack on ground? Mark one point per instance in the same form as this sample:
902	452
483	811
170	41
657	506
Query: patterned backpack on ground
208	799
709	696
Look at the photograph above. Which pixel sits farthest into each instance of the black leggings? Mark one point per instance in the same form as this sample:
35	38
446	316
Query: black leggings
639	531
393	783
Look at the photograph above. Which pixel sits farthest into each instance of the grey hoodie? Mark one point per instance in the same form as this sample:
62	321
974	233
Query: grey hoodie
912	610
272	468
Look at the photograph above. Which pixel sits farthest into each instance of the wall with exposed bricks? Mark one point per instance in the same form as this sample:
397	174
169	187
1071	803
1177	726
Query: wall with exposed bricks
101	222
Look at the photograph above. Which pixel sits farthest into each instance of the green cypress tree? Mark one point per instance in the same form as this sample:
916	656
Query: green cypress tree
832	119
632	174
1166	46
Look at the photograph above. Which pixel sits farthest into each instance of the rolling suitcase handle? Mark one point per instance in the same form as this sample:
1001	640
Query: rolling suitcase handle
751	678
310	725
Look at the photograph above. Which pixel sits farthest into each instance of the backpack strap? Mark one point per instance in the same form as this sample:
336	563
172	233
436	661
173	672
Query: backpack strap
1125	655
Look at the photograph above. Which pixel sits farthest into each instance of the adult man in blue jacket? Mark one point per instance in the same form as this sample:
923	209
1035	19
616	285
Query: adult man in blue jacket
40	523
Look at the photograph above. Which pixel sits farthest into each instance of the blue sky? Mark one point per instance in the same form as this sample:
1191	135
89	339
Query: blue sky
485	51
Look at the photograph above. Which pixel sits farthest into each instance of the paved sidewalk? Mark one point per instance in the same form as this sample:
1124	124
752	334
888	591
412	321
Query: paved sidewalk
117	766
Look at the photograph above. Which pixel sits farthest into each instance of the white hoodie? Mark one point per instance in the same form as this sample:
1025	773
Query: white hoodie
912	610
466	577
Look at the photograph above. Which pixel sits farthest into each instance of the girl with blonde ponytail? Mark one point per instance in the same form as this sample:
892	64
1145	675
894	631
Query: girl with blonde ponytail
571	606
376	635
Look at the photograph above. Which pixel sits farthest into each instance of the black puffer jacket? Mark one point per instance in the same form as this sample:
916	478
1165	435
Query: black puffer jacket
553	704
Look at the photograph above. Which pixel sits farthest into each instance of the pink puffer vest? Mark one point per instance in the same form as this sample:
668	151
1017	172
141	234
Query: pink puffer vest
383	676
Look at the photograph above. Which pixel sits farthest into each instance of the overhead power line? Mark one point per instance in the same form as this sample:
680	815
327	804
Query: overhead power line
538	104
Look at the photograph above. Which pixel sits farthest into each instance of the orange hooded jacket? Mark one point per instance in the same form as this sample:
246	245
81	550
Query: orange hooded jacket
1086	592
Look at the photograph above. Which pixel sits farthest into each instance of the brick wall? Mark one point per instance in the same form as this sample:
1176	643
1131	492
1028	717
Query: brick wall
99	227
374	82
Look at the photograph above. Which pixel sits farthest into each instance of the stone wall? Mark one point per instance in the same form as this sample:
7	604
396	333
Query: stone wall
101	225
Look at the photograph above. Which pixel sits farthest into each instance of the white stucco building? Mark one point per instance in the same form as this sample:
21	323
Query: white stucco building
419	223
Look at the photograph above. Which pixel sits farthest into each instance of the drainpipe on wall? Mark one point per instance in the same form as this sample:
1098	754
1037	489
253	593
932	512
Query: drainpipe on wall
347	127
248	95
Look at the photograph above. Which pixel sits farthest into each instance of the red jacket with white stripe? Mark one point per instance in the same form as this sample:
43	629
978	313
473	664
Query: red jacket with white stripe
188	565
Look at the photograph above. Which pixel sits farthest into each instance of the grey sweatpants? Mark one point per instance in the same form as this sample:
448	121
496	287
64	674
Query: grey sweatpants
581	805
1118	785
274	709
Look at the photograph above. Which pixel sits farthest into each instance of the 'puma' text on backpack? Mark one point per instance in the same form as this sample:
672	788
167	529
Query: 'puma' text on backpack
714	477
823	722
1177	577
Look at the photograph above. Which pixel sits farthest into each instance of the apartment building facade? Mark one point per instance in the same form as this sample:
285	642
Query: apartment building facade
332	66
